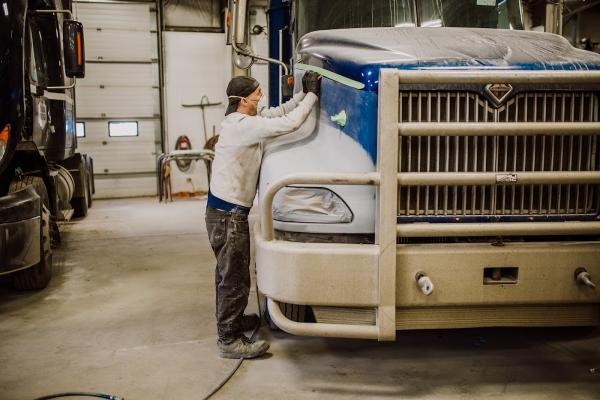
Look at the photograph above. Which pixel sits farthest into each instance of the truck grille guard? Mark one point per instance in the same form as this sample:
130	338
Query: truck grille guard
439	135
398	177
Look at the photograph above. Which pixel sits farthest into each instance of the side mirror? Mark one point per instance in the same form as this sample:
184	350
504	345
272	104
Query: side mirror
243	60
74	49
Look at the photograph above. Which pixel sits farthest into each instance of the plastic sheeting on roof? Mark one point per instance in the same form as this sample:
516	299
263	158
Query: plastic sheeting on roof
355	52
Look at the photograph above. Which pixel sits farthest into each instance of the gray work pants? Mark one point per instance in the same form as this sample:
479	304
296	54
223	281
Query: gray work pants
230	240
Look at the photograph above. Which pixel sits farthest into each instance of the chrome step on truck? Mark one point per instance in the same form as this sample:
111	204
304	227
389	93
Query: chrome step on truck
503	240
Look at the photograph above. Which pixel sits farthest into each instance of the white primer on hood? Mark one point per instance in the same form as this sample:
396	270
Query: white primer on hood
310	150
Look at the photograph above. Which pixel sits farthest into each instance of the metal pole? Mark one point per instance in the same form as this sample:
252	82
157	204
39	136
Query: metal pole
498	229
559	17
387	201
498	128
164	145
502	178
485	77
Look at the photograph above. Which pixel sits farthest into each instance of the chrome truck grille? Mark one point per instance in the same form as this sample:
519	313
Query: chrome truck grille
498	154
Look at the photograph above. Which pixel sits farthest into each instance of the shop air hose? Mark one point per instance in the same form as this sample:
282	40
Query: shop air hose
80	394
111	397
232	372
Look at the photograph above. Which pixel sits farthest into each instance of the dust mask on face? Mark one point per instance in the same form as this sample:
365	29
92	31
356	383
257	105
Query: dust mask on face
262	104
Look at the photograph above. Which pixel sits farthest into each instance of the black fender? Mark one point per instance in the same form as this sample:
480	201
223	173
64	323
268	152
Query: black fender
27	160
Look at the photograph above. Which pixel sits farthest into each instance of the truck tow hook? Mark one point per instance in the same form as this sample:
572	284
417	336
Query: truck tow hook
424	283
584	278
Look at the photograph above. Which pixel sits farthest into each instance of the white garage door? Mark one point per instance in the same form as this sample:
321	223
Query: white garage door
118	102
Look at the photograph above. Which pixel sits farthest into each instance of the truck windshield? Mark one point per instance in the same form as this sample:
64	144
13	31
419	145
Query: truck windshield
313	15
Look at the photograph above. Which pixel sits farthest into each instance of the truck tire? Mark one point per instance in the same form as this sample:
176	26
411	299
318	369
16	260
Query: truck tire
80	204
89	189
264	312
37	276
38	186
294	312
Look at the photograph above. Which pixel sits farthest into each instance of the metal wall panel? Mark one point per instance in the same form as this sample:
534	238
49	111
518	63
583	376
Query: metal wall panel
196	14
123	75
120	154
122	46
116	16
96	132
121	84
117	158
135	186
115	102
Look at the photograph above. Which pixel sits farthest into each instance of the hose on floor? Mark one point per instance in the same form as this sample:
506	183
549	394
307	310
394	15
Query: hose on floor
218	387
232	372
81	394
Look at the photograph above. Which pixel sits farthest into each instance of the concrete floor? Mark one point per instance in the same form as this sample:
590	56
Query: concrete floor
130	312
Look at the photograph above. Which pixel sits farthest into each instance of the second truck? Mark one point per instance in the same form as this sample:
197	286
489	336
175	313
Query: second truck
43	179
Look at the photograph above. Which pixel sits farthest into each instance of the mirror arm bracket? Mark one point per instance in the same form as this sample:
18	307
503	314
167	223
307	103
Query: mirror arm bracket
267	59
71	86
55	12
247	54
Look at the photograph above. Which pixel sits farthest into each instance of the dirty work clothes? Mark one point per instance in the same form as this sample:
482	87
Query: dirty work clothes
239	151
230	240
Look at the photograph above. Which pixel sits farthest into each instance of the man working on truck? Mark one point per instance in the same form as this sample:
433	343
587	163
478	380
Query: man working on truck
238	156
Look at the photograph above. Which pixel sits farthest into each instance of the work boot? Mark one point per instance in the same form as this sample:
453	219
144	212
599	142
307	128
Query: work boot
249	322
243	347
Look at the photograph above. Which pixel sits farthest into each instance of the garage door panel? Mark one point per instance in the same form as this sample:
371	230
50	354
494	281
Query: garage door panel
124	75
97	132
122	159
120	154
121	85
109	187
116	16
132	46
117	102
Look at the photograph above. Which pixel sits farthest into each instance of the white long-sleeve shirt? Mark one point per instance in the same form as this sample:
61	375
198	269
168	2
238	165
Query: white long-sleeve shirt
239	151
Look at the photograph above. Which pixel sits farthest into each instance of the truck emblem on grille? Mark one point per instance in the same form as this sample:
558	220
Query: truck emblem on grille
498	92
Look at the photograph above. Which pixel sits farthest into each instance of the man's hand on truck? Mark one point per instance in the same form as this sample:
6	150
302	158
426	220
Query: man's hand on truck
311	82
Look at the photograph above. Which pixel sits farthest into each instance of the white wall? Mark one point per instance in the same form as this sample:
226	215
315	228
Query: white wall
196	64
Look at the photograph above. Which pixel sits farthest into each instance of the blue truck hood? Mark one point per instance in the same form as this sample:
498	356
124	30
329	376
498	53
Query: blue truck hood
360	53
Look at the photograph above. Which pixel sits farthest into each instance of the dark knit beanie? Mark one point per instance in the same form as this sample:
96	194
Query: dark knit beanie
241	86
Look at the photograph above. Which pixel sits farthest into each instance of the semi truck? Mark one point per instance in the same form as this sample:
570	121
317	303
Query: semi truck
448	178
43	179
